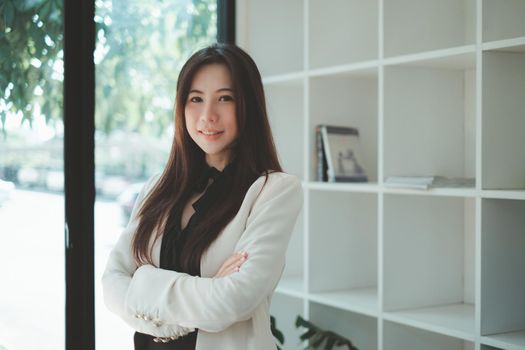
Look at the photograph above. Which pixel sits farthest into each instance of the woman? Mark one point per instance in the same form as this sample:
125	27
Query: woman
205	247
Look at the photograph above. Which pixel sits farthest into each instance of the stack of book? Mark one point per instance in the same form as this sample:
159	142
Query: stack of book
427	182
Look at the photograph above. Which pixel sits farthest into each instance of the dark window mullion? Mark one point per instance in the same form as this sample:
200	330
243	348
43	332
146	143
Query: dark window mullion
226	21
79	102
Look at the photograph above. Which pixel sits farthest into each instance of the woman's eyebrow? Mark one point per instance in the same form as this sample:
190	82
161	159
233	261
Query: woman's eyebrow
219	90
225	89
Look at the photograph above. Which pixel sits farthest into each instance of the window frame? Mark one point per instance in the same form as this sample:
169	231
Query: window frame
79	162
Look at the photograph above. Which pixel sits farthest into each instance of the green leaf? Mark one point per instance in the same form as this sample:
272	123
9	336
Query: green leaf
318	339
300	322
276	333
330	343
316	336
310	333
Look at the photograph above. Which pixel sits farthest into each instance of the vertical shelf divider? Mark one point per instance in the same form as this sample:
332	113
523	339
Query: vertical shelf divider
477	215
380	175
307	160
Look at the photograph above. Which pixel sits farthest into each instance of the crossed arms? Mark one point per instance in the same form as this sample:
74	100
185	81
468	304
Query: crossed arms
165	303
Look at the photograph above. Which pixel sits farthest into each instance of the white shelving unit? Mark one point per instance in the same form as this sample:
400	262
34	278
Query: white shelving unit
434	87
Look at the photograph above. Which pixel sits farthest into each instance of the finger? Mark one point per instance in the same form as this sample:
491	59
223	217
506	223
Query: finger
236	267
228	263
232	267
235	260
227	272
234	264
230	271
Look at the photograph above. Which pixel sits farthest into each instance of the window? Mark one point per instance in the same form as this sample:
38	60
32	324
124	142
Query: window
32	257
137	59
140	47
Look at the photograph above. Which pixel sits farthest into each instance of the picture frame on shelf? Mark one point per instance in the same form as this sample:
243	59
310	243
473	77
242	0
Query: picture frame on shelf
322	165
339	154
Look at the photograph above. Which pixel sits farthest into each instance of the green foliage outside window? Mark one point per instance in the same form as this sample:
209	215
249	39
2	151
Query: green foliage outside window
31	36
140	49
141	46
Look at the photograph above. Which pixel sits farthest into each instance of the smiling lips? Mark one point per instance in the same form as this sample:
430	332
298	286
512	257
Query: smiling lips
211	134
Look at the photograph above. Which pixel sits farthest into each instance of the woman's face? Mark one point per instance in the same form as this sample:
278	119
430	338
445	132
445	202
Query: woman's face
210	113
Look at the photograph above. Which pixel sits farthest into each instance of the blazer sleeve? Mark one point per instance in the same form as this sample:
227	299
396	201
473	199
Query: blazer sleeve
213	304
117	276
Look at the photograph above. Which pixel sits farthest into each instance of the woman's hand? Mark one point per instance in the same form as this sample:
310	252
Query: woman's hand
232	264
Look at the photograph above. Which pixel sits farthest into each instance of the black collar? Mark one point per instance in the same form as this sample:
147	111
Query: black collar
221	181
202	181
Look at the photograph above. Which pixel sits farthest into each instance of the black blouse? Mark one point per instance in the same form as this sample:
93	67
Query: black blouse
174	240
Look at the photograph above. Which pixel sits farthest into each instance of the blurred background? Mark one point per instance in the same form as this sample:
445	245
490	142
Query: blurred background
140	48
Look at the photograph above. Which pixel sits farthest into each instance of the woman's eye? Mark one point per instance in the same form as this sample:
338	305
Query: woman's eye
226	98
195	99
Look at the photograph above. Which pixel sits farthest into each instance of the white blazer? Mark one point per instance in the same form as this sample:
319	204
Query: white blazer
229	312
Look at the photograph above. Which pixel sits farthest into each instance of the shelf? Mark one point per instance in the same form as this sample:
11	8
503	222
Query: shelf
434	87
507	45
361	69
504	194
401	337
511	340
463	57
359	300
291	286
367	187
446	192
455	320
375	188
294	79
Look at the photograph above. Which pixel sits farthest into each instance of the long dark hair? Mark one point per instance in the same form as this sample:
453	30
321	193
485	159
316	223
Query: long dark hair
254	153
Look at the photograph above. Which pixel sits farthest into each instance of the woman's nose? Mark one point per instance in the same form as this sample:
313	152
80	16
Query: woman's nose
208	113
